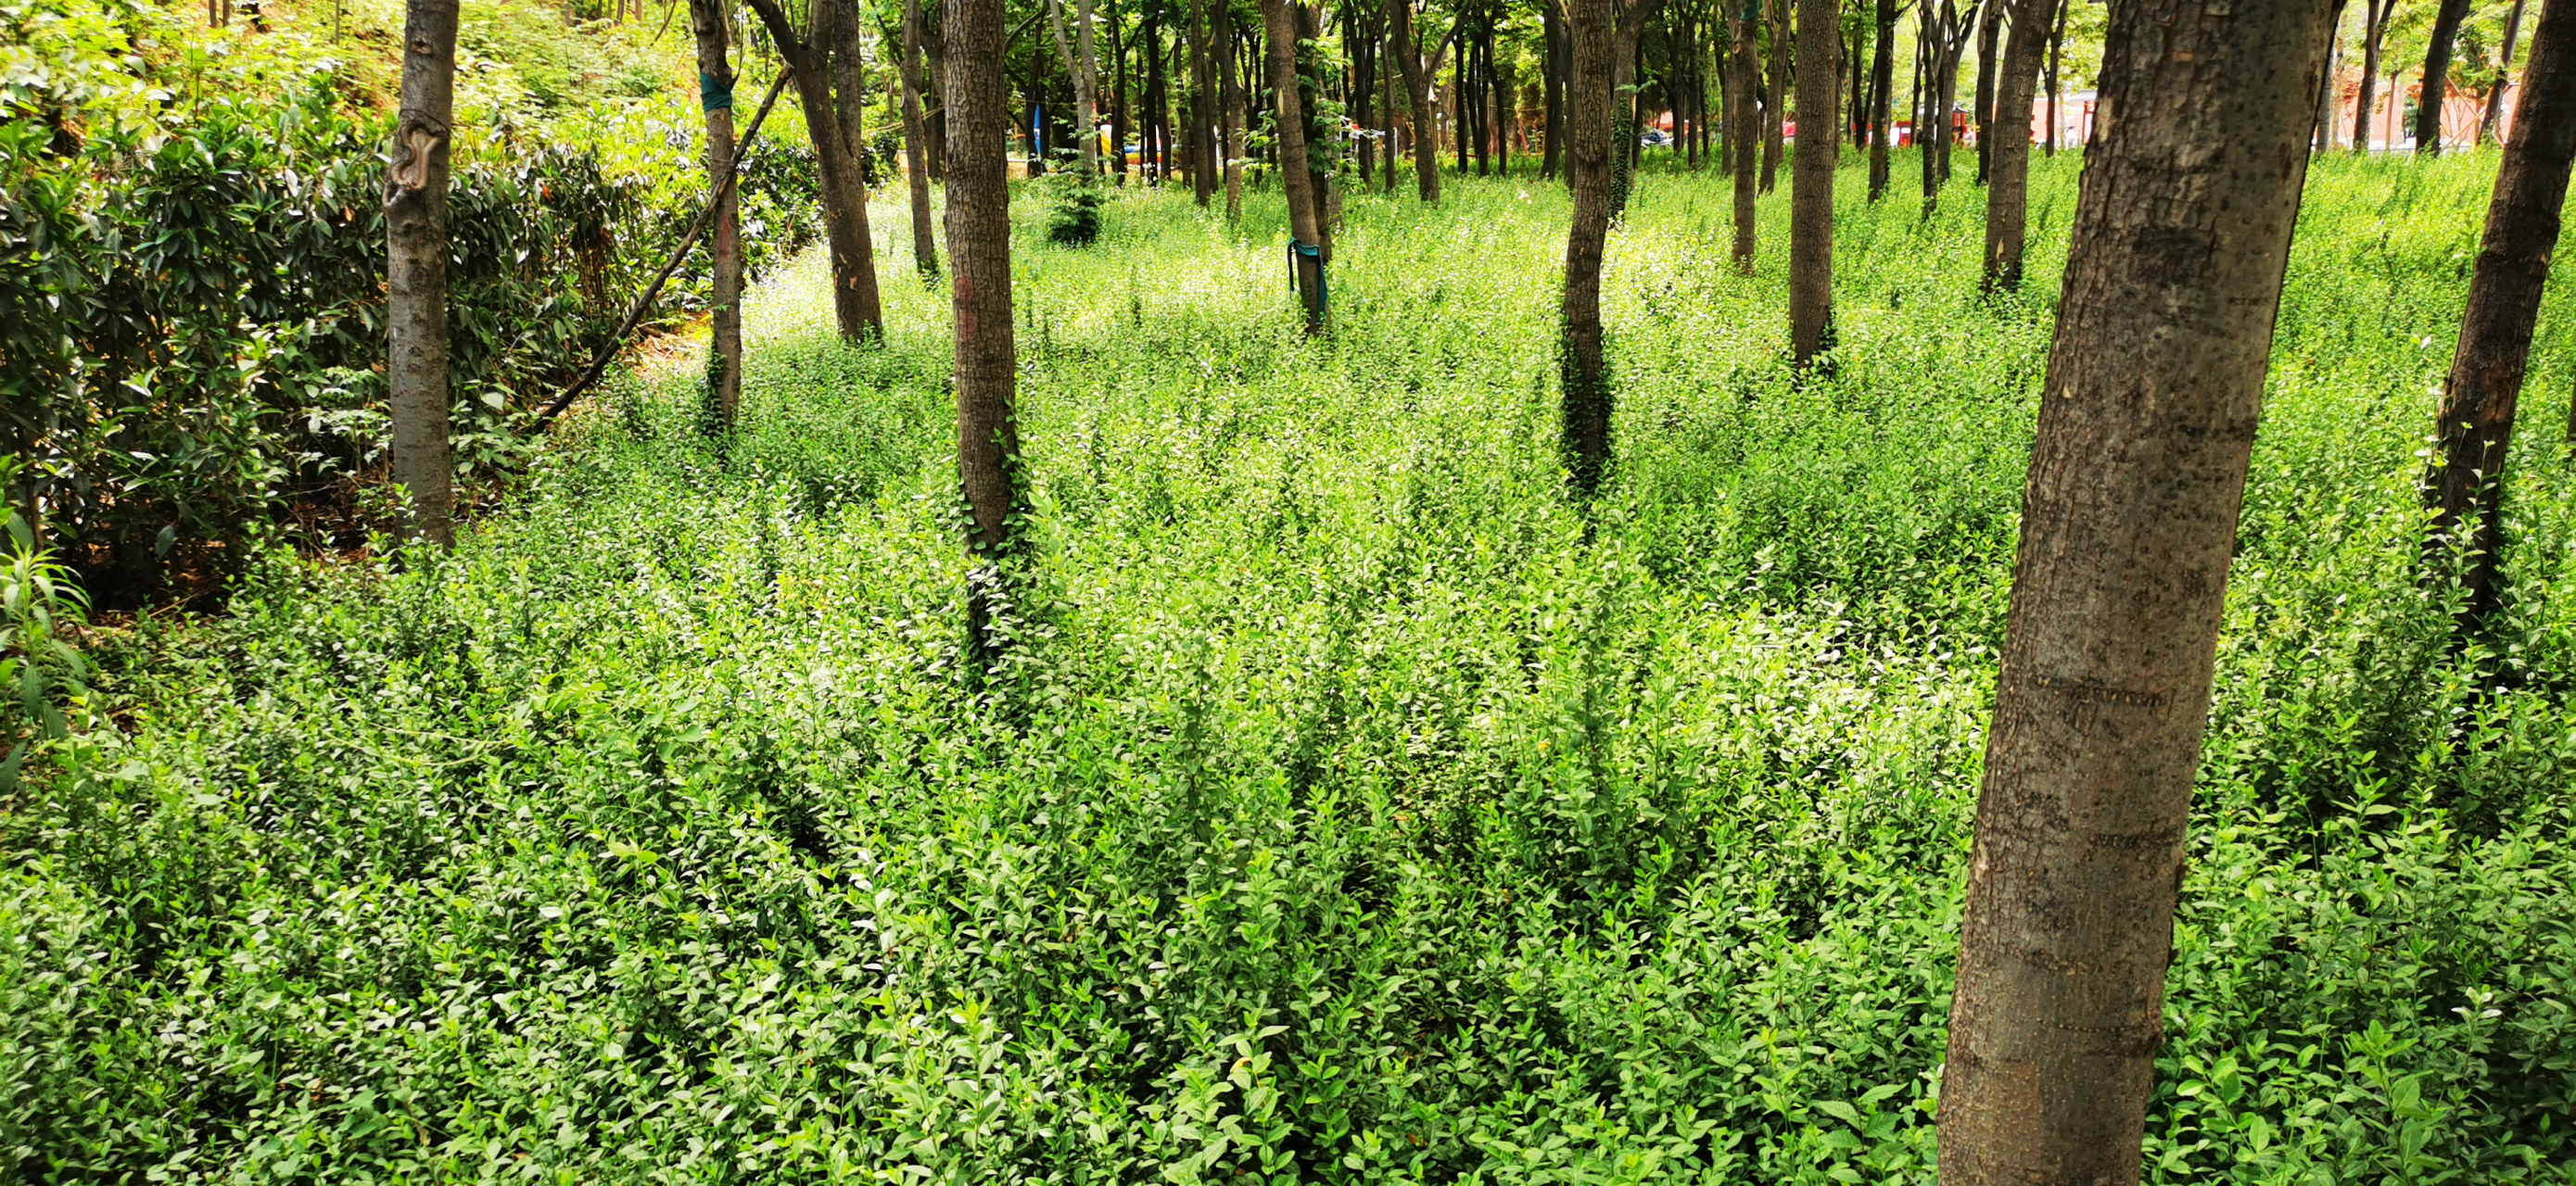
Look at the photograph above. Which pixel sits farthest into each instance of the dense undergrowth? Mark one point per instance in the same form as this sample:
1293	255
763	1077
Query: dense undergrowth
1353	811
192	250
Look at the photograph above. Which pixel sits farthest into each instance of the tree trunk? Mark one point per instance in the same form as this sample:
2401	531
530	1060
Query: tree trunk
1305	237
1774	90
2495	95
2129	517
845	195
1084	69
416	271
916	150
2374	22
1234	114
1418	70
2008	162
2056	55
2464	485
715	87
1811	181
979	254
1585	443
2437	75
2326	87
1882	85
1742	142
1989	25
1552	55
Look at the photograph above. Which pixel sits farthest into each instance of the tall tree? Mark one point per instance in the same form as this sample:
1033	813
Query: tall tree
1775	92
916	148
1949	40
1305	234
416	270
2056	58
2374	26
1553	55
2464	485
1811	179
808	53
1882	85
1581	367
715	95
2437	75
1989	27
1082	65
1741	139
1420	64
2008	162
2504	75
2129	517
1232	82
979	255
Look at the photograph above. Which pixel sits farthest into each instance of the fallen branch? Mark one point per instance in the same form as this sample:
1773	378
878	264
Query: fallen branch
617	341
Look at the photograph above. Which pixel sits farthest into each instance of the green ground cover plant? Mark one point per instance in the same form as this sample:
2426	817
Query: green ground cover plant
1354	809
192	260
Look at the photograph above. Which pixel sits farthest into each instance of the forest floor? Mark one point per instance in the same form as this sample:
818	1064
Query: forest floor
1354	808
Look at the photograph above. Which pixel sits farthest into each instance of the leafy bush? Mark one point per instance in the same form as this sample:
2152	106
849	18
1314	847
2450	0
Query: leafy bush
191	311
1073	218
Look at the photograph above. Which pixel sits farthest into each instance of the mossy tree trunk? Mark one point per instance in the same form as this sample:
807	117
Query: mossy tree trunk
724	233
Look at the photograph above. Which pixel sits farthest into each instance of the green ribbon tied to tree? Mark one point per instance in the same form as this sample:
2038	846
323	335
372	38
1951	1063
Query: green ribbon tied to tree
1323	293
715	94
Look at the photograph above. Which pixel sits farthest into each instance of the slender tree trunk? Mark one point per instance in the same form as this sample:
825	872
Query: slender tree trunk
1581	367
1743	143
1989	28
1774	89
1121	98
1234	113
1931	32
1305	236
840	42
916	149
979	254
1811	181
715	87
2129	518
2326	88
2008	173
1552	32
2056	55
2495	96
2437	75
2374	22
1882	85
416	271
935	58
1084	69
1419	69
2464	485
845	194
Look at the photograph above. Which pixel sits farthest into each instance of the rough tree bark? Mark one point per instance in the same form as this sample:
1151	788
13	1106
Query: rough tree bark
2129	516
1811	179
979	256
845	194
2463	486
2008	161
1202	136
715	88
1552	54
416	270
1234	115
1580	364
916	147
2437	75
1305	236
